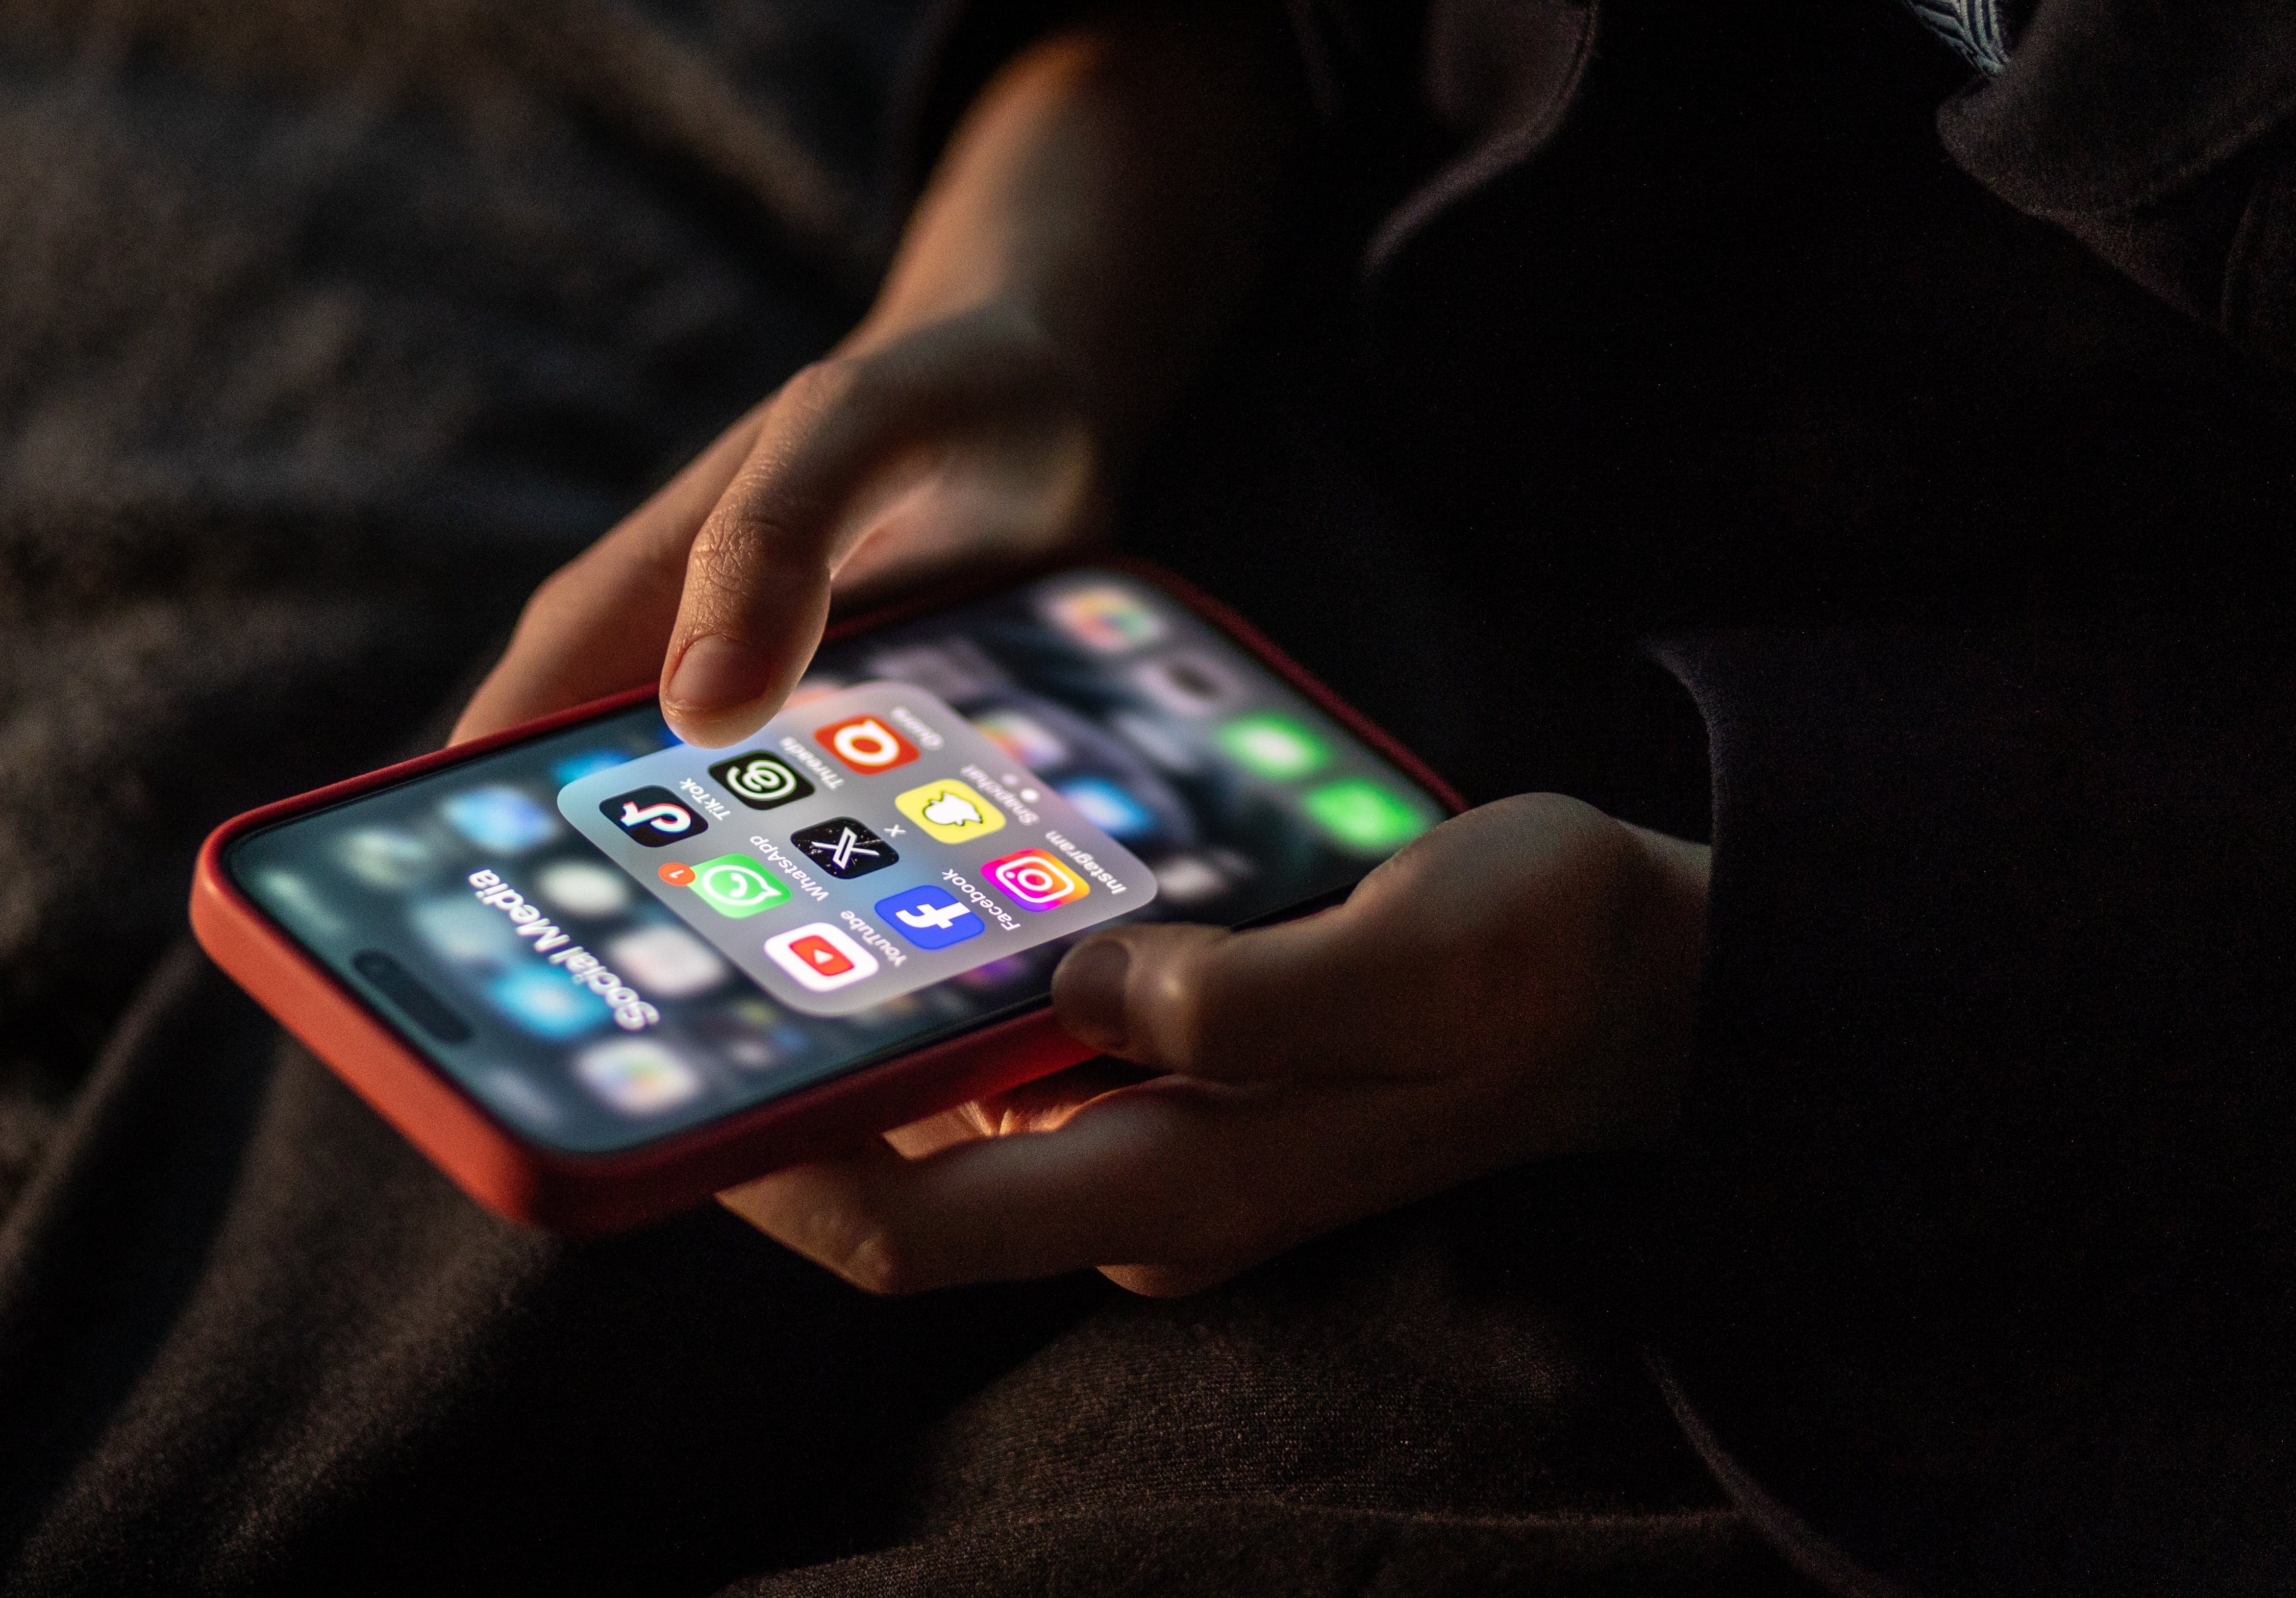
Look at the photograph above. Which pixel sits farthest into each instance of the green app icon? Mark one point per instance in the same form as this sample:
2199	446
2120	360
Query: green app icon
1271	744
1361	815
734	884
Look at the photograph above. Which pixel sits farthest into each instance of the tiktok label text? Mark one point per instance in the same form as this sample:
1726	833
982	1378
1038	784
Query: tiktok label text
704	798
631	1013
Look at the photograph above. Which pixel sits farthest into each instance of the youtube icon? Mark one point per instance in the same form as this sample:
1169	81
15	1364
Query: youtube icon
821	957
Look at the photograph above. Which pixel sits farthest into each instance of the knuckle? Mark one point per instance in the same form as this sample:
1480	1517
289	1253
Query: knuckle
824	384
558	591
1180	1012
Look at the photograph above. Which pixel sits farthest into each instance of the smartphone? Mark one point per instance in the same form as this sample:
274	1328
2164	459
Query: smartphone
597	974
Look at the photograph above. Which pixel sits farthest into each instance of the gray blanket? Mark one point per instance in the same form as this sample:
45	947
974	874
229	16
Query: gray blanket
324	332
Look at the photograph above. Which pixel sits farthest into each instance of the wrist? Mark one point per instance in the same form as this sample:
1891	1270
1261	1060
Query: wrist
1109	196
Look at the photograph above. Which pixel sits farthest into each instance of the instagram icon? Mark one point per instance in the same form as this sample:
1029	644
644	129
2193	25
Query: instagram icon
1036	880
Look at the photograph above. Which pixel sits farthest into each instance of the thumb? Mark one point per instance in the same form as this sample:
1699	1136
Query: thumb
1202	1002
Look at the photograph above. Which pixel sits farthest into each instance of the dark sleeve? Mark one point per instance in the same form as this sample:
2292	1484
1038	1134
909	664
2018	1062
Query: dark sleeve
2164	137
1982	1250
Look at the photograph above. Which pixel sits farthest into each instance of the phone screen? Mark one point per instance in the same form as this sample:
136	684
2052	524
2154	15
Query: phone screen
606	935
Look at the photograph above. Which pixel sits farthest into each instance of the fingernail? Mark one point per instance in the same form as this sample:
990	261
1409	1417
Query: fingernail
716	674
1090	988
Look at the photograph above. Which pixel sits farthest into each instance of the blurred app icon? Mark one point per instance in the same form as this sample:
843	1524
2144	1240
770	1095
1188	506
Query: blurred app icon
1272	745
653	817
499	819
865	744
761	781
574	767
667	961
581	887
638	1077
291	897
748	1013
1189	879
892	1012
1189	684
1158	741
731	884
1104	618
763	1051
463	932
1109	807
821	957
383	857
929	917
843	847
751	1035
1365	816
1036	880
953	668
1023	738
540	1000
950	811
517	1099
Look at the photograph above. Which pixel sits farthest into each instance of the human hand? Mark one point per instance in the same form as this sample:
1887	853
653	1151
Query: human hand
960	443
1097	213
1517	984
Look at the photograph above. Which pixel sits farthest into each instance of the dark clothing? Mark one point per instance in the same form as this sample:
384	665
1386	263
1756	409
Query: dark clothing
1600	323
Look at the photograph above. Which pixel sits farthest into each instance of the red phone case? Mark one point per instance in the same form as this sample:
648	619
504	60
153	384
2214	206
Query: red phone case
598	1193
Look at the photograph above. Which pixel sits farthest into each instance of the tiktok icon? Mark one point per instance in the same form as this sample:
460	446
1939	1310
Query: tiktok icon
653	817
929	917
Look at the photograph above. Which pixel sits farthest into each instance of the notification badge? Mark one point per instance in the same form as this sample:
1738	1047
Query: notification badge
821	957
866	745
1036	880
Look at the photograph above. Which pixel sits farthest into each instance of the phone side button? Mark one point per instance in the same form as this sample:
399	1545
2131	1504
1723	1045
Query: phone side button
399	986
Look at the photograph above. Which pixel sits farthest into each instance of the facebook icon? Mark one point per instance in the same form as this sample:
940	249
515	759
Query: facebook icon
929	918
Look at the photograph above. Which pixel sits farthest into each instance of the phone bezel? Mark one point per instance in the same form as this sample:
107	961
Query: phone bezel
593	1193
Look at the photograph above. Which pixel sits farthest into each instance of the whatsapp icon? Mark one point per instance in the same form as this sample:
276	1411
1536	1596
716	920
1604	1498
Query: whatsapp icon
735	885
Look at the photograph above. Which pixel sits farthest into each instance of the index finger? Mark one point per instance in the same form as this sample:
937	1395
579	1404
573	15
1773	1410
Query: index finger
600	624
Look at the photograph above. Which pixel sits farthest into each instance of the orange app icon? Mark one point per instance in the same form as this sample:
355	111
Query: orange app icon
866	745
1036	880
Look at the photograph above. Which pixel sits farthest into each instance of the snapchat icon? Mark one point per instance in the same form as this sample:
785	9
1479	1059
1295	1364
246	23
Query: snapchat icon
950	811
